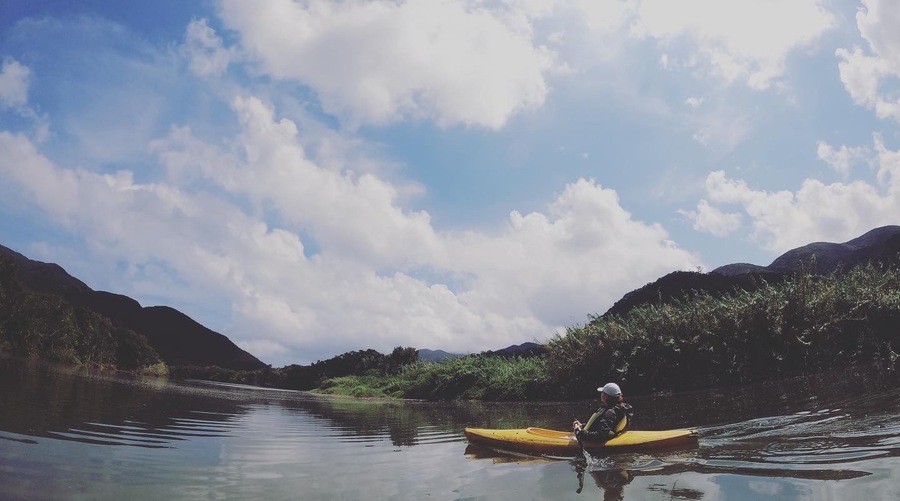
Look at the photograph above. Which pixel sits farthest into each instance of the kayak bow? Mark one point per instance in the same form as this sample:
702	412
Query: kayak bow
542	441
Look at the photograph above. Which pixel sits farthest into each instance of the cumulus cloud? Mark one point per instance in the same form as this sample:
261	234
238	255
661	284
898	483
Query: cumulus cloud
835	212
347	267
842	159
727	34
13	84
377	62
712	220
205	51
871	79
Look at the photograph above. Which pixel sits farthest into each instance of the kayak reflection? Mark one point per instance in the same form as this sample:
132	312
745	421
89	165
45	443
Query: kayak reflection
498	457
610	481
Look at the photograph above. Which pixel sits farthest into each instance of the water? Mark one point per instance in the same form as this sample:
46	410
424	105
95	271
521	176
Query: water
82	435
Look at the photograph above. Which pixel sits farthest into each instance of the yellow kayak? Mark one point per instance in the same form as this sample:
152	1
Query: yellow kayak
541	441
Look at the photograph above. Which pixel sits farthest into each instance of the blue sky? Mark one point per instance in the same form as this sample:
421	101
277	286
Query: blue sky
313	177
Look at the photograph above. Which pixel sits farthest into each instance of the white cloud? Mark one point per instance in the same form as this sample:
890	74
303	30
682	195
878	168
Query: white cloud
721	126
877	23
694	102
868	77
13	84
606	15
377	62
207	55
380	275
816	211
15	80
888	165
569	259
841	160
737	39
712	220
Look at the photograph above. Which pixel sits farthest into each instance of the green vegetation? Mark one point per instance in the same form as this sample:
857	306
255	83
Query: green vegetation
43	326
475	377
307	377
805	324
361	386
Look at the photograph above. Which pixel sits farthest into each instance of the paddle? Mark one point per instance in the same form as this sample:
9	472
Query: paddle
578	439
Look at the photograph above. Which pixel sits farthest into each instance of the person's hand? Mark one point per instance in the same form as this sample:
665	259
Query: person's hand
576	425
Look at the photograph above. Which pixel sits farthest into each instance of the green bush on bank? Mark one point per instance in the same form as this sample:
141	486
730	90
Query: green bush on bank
367	386
474	377
806	324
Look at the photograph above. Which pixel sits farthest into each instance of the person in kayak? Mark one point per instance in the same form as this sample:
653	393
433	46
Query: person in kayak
610	419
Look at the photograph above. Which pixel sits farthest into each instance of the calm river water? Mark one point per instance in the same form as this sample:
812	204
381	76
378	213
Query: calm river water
83	435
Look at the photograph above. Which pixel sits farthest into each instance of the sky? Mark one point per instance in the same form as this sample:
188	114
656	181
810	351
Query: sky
310	177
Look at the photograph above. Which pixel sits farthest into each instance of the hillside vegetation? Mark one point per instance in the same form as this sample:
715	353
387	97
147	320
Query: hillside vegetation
45	327
800	322
804	324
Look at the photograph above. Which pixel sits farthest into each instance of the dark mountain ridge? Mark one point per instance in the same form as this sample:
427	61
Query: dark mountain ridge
177	338
878	246
182	341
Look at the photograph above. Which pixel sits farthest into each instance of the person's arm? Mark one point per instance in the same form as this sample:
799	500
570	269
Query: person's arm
597	428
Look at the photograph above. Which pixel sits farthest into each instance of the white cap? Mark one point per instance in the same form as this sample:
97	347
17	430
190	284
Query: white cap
611	389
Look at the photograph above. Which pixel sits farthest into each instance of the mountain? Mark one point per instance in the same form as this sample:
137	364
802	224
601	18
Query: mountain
436	355
879	246
518	350
182	341
177	338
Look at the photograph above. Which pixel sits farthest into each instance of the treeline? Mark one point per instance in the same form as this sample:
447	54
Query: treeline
45	327
307	377
472	377
803	324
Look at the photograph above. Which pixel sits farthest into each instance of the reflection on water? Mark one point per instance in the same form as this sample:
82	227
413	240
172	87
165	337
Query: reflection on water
80	434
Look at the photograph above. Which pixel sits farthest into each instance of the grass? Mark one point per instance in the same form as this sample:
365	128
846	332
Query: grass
806	324
474	377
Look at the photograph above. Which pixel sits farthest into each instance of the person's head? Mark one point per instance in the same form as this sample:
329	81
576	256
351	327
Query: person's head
610	391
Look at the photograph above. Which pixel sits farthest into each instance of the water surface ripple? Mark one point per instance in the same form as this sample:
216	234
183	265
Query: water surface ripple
83	435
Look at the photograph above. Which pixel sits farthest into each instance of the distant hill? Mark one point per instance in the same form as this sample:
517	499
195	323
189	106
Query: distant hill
881	245
518	350
181	341
436	355
176	337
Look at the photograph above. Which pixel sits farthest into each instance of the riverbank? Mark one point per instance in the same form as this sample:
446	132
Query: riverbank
803	325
